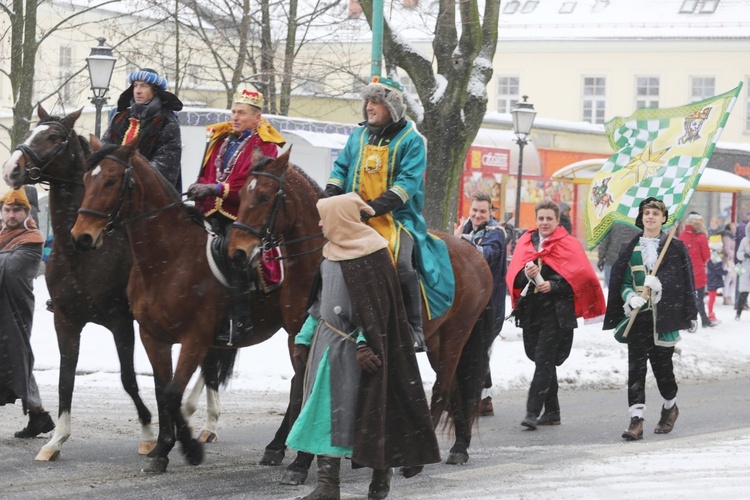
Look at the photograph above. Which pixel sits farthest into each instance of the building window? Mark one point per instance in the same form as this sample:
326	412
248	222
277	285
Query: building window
702	87
600	5
529	6
688	6
313	86
646	92
511	7
65	71
709	6
747	105
594	99
567	7
507	93
409	87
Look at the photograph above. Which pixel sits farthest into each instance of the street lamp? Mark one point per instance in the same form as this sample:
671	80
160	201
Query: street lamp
523	120
101	64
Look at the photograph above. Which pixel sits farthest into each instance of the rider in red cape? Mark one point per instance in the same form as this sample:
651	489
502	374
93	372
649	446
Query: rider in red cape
564	253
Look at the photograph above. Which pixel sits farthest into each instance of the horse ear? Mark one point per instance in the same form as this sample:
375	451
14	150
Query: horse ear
95	143
256	155
284	159
41	112
132	147
70	120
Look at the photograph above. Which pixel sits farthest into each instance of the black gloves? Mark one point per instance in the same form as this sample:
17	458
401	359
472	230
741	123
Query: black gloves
385	203
600	264
333	190
299	357
367	360
200	191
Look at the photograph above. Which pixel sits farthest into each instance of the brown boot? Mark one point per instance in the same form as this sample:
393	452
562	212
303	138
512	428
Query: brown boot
328	480
380	485
635	430
667	420
485	407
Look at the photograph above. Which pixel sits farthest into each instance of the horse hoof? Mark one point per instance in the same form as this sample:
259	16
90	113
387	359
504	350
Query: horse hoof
146	446
293	477
47	455
194	452
455	458
156	465
208	437
272	457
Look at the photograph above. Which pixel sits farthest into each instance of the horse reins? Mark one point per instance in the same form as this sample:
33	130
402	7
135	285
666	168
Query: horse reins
267	233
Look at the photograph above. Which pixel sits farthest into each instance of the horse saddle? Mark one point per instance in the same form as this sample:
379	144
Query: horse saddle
267	275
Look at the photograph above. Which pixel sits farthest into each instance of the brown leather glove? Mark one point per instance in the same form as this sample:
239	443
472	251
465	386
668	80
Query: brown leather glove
299	357
367	360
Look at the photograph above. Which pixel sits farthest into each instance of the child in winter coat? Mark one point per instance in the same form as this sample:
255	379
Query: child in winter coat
715	272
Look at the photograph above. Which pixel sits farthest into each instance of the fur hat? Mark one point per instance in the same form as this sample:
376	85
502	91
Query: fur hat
250	97
16	197
388	92
641	208
149	76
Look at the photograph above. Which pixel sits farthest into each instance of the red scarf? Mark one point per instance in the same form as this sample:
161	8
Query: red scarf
563	253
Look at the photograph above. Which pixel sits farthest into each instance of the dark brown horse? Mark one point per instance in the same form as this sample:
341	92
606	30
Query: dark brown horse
278	206
85	288
172	291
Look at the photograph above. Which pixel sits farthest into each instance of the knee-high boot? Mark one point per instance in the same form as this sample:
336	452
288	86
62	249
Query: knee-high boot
328	480
410	289
380	485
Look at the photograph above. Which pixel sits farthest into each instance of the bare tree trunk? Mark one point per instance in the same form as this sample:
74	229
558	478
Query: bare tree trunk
289	53
266	59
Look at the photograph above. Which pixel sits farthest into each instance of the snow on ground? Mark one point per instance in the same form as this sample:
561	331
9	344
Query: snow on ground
597	360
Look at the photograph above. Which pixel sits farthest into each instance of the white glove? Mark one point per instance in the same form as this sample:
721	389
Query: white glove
636	302
653	283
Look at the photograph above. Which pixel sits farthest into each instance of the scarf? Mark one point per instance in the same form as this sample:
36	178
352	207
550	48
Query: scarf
28	235
348	237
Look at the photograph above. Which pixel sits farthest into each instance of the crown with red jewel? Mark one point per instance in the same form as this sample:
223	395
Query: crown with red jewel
250	97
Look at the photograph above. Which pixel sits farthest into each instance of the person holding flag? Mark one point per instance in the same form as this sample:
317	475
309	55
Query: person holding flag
653	279
552	283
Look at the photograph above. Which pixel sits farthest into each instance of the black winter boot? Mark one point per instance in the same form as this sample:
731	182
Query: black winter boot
328	480
380	485
39	423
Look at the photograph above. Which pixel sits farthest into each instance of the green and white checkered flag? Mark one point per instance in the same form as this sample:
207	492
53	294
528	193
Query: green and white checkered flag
660	153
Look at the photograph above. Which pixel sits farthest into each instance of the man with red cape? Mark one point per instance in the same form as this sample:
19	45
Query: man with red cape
552	283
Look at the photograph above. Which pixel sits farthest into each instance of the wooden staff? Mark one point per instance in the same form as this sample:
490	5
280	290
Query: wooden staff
647	291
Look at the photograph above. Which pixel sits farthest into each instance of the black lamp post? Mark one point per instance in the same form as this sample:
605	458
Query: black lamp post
523	120
101	65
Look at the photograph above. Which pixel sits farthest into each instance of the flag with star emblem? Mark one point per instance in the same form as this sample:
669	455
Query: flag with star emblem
660	153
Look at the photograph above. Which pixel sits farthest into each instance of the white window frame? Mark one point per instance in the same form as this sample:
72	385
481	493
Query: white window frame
511	7
529	6
65	69
506	99
709	6
747	105
704	94
567	7
688	6
649	99
593	104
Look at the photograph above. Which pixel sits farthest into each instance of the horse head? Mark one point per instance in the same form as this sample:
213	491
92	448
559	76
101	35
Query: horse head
39	157
261	200
108	182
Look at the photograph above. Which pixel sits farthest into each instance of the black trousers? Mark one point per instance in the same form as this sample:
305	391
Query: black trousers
700	294
641	350
548	347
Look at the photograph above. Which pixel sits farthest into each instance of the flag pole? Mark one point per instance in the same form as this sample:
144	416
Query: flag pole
647	291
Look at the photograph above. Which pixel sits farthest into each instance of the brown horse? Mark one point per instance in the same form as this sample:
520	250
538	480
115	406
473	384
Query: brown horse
85	288
172	291
278	207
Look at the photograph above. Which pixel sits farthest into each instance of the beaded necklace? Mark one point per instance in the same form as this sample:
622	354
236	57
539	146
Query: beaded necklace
222	175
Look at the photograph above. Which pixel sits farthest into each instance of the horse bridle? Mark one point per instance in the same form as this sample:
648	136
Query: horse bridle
113	217
39	166
267	233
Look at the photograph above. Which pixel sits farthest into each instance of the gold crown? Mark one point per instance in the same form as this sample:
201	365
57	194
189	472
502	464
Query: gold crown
250	97
699	115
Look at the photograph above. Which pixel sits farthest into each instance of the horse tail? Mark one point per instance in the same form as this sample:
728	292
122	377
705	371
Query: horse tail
474	364
218	366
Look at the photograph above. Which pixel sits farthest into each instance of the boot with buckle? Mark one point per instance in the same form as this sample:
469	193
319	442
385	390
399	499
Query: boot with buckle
635	429
667	420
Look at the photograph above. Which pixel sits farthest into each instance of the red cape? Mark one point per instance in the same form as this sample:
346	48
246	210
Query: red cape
564	254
